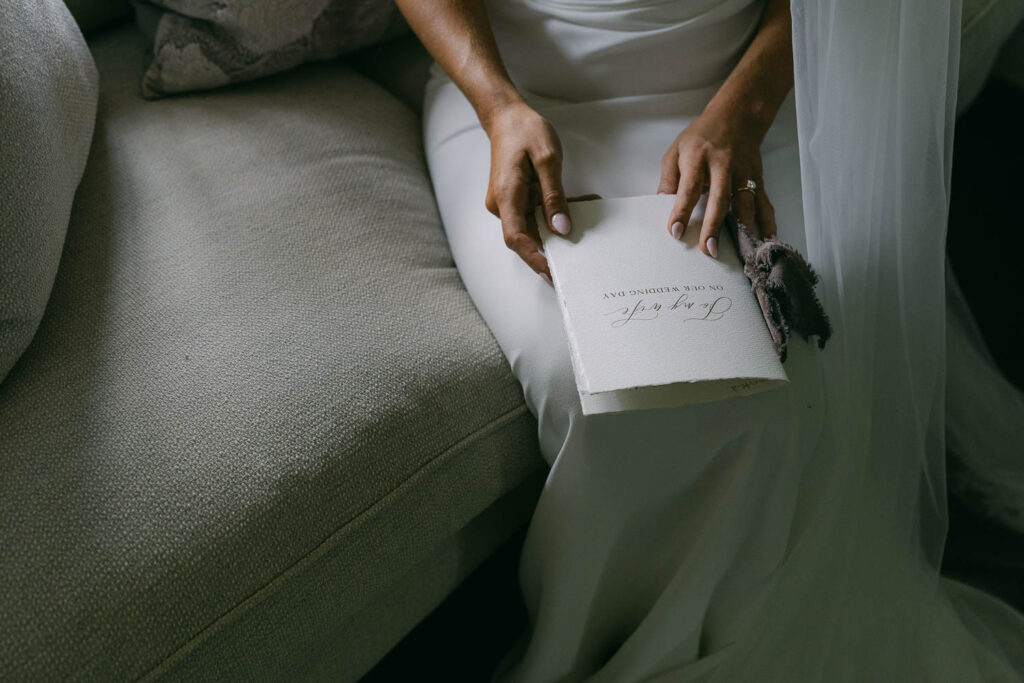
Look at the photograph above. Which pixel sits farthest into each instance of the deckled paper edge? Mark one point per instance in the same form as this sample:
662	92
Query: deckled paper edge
563	310
618	401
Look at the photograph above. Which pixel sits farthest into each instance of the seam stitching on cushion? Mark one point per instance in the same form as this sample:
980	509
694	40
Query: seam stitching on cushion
325	545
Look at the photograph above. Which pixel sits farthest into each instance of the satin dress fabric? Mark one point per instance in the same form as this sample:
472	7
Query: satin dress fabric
657	530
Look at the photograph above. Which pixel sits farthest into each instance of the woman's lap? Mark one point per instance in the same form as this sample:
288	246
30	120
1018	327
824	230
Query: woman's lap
611	159
645	514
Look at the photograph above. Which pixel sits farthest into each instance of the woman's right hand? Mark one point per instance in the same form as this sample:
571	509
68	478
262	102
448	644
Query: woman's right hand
526	170
526	156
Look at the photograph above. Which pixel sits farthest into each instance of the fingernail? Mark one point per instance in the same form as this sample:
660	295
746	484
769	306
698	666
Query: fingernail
546	279
713	247
560	223
677	230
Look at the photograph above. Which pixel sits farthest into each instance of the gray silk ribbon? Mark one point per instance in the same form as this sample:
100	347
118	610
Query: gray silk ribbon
783	282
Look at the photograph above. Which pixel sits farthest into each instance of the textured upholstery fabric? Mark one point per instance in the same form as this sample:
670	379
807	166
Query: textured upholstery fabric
297	633
259	376
200	44
96	14
47	108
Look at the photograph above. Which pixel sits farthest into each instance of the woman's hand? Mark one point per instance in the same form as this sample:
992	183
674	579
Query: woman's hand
720	150
526	156
526	170
720	153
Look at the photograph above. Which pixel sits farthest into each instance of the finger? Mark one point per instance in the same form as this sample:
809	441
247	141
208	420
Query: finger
516	230
718	204
547	163
743	206
491	200
534	197
669	182
498	182
583	197
691	187
765	215
531	230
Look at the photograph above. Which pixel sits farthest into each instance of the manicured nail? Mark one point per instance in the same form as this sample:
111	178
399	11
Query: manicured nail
560	223
546	278
677	230
713	247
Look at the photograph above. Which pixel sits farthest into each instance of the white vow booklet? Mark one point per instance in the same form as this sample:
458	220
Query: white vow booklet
652	321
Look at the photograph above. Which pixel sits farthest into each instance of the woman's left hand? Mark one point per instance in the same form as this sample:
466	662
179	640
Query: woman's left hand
717	154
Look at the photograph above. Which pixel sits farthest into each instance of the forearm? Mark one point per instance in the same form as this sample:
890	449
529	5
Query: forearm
754	91
458	35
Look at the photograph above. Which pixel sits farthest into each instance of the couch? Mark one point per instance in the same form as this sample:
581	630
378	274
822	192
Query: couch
261	430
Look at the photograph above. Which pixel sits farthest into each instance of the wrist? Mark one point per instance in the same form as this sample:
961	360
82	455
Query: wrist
495	103
492	109
750	114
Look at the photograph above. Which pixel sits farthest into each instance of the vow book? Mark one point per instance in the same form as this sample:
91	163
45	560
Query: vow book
652	321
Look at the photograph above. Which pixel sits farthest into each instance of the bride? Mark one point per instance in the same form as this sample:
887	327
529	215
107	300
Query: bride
793	535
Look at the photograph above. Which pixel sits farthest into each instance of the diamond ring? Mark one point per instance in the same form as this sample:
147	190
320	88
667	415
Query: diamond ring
750	187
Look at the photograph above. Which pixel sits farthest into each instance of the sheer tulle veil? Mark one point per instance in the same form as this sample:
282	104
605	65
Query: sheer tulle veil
860	592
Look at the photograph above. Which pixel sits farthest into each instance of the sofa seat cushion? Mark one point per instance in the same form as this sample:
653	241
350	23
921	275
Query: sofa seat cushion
258	356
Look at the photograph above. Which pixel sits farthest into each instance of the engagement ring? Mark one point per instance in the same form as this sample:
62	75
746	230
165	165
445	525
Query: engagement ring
750	187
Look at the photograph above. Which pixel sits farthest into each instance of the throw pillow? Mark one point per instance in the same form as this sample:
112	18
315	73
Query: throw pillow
49	91
200	44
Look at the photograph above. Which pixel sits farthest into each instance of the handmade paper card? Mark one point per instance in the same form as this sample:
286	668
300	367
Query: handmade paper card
651	320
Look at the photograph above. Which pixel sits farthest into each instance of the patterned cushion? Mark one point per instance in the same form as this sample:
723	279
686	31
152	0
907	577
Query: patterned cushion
199	44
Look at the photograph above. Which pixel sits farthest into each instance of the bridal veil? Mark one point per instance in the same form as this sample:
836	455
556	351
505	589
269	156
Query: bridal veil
875	87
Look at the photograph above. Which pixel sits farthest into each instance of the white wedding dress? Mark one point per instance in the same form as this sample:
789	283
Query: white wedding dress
793	535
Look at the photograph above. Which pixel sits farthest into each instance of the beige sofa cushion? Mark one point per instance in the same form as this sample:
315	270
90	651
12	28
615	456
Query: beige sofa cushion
48	94
259	376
